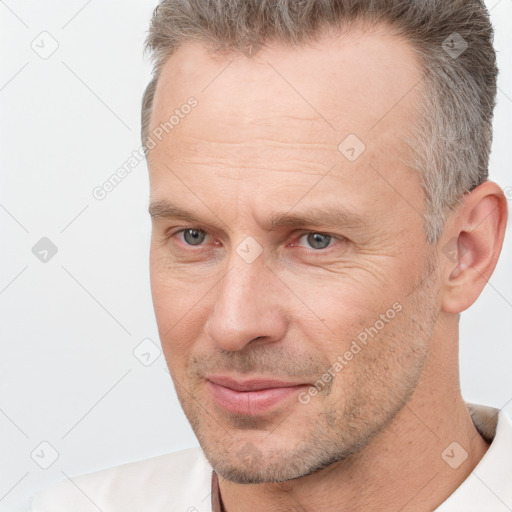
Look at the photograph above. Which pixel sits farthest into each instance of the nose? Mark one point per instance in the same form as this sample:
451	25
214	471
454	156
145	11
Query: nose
248	306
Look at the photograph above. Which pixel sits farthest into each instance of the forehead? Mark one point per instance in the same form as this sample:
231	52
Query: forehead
288	109
353	81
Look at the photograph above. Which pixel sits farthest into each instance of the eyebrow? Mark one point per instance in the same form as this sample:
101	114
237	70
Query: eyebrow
318	216
166	210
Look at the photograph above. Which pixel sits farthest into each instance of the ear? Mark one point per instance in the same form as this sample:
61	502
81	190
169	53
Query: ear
470	246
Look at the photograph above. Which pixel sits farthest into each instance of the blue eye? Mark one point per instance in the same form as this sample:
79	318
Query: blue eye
318	240
194	236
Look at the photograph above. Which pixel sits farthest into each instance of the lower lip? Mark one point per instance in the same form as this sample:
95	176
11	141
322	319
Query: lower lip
251	403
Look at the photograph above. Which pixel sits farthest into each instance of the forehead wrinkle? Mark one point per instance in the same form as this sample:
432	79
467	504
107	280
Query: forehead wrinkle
228	170
194	143
310	159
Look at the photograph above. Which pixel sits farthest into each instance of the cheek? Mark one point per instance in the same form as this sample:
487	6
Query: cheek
174	294
180	311
355	284
345	305
353	323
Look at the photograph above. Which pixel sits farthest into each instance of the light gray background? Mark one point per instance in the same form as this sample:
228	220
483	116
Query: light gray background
68	374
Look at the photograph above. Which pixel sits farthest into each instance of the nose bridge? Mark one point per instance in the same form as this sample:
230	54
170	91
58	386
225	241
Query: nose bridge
245	306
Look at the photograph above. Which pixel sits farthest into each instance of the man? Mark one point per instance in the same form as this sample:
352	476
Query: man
322	215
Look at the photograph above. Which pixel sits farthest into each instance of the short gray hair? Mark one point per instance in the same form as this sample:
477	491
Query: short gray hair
449	145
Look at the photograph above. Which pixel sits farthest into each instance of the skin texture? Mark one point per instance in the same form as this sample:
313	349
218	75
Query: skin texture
263	141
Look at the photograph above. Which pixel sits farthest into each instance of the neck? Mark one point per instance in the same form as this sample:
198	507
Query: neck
412	465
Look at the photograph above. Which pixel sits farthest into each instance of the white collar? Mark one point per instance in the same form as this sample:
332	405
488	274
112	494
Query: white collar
489	486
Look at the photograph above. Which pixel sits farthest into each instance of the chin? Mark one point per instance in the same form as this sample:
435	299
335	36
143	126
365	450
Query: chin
250	466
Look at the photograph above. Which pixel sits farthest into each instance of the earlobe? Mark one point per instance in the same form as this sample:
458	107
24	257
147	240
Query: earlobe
475	238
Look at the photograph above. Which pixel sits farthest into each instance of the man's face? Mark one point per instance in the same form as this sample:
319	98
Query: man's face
301	262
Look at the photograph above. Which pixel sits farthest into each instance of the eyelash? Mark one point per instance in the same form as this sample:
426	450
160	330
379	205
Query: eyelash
333	240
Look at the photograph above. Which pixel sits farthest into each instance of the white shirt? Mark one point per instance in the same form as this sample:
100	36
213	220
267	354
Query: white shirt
181	481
